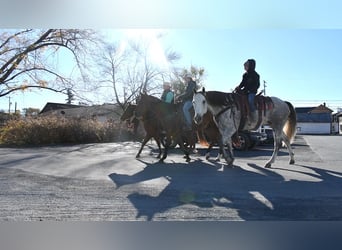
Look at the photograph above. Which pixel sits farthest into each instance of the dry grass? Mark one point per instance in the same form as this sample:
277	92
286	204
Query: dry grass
54	130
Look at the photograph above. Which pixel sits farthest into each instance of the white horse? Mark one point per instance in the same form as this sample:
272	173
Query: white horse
227	115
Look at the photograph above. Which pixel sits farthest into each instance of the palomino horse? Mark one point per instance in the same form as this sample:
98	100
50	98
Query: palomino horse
152	128
227	115
168	116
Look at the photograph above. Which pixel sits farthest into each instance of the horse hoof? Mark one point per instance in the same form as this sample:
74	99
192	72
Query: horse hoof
137	156
268	165
292	162
161	161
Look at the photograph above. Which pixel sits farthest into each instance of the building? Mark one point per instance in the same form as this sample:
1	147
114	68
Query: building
102	113
314	120
337	123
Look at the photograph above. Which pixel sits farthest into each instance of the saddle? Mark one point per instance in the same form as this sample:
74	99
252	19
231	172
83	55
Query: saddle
262	103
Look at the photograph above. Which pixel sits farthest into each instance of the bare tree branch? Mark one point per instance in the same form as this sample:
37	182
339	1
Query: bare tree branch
24	53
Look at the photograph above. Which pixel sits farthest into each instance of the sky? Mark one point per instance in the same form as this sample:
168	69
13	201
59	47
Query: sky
296	47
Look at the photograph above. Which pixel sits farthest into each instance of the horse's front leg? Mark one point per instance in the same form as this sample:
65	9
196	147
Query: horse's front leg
166	148
220	152
159	147
146	139
207	153
230	151
227	156
186	152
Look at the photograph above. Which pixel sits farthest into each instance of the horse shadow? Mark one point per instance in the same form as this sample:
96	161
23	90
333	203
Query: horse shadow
249	192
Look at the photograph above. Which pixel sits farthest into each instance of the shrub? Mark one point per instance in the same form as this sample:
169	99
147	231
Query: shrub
56	130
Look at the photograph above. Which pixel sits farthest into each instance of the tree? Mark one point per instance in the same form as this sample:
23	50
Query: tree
197	73
28	58
31	111
70	96
126	73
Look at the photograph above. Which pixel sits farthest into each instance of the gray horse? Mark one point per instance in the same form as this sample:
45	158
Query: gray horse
228	118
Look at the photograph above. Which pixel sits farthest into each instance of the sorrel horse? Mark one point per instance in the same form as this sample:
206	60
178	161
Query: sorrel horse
228	116
152	128
168	116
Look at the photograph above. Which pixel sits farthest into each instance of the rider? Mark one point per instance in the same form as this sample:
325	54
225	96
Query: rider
250	84
186	98
168	94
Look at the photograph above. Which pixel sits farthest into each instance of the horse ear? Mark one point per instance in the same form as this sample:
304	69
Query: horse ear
203	90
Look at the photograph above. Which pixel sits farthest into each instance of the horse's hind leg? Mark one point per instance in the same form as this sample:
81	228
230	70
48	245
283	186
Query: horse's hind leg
289	148
277	144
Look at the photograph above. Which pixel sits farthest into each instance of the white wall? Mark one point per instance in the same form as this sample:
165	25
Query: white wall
313	128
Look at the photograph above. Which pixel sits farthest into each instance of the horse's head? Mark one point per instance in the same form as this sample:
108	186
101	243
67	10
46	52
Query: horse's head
199	103
128	112
140	108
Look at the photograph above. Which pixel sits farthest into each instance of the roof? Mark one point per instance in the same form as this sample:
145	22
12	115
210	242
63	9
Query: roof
319	114
55	106
319	109
66	110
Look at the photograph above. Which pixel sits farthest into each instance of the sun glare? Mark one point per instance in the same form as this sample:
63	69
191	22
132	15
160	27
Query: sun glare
150	37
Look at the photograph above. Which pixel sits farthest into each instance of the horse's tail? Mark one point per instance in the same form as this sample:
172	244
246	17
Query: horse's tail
201	137
291	123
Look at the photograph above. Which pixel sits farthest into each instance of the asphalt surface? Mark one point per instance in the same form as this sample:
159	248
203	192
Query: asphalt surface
104	182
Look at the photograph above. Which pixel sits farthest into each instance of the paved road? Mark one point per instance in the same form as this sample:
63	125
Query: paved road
105	182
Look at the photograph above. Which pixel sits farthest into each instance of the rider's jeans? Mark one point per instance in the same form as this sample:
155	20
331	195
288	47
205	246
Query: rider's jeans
251	102
186	110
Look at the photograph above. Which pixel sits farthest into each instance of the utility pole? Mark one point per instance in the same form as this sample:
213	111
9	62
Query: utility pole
9	104
265	87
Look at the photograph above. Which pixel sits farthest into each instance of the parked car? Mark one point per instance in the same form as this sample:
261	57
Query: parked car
269	134
249	139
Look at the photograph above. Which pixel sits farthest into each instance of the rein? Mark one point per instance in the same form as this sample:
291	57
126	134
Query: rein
222	111
230	105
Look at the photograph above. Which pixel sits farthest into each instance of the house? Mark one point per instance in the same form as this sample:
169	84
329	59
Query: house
314	120
101	113
50	106
337	122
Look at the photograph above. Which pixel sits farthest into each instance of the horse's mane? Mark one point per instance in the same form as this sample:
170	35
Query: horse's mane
218	98
151	98
161	103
